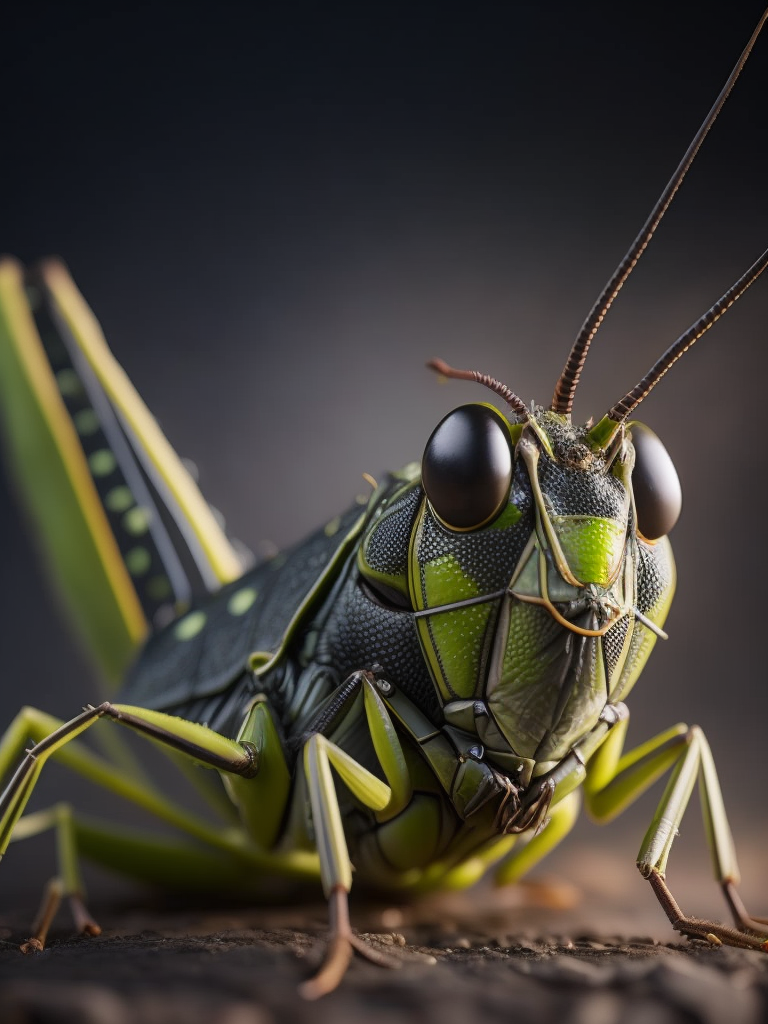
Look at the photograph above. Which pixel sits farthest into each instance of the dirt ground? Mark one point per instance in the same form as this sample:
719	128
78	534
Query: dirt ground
524	956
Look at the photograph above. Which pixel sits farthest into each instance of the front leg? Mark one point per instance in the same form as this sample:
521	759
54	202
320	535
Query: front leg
614	781
697	761
335	865
320	754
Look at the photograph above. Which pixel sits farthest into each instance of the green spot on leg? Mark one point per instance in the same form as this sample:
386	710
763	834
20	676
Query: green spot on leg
137	520
119	499
189	626
86	422
158	588
138	561
332	528
241	601
69	384
102	462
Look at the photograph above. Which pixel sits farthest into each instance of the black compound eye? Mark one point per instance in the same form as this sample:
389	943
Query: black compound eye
467	467
656	486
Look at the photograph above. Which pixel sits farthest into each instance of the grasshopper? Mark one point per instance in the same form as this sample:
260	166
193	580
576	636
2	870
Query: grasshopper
425	688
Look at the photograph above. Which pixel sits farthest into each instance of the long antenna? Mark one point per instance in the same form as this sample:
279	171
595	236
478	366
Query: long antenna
512	400
562	400
633	398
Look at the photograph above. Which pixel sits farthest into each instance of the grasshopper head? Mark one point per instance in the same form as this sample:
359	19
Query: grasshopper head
533	561
531	565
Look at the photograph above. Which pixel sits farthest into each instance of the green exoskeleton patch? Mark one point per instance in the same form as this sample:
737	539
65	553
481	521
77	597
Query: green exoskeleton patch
421	690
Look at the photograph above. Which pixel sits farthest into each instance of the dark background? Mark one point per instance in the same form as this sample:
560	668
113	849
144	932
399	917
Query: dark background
279	213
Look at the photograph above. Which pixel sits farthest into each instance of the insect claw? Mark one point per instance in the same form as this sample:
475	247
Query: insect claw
84	923
32	945
332	971
337	959
45	915
376	956
343	943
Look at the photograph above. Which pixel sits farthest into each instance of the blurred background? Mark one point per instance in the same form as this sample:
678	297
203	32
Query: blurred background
278	213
